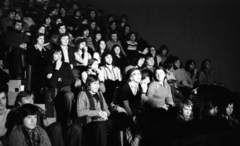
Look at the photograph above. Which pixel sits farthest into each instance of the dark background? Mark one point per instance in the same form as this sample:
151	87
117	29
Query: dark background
192	29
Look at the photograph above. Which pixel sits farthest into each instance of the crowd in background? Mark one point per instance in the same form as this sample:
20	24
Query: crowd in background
108	80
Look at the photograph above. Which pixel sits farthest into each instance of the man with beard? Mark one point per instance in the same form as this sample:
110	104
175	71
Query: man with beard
16	41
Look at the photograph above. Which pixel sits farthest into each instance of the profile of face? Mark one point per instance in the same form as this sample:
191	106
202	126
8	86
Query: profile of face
92	14
177	64
57	56
136	76
94	86
146	80
150	61
102	45
207	65
153	51
12	15
40	40
117	50
18	26
98	36
30	121
41	30
229	109
186	112
62	29
141	62
133	37
114	37
82	45
64	40
160	75
108	59
48	21
213	111
3	101
94	66
58	21
86	33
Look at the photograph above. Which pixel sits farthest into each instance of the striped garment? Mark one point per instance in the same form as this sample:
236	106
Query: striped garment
112	73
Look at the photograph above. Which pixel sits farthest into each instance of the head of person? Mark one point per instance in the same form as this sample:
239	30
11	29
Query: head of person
102	44
127	29
97	36
113	26
62	11
75	6
28	116
18	24
39	39
123	18
47	20
146	76
93	64
138	60
152	51
107	58
92	14
24	97
116	50
92	84
41	29
85	31
227	108
168	66
211	109
56	54
64	39
3	101
62	29
53	11
206	64
58	20
77	13
159	74
176	63
190	65
11	13
18	16
185	109
163	50
84	21
132	36
149	61
93	25
134	75
114	36
80	44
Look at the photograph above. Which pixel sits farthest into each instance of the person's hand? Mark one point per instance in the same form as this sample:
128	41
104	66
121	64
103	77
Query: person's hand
103	115
23	46
120	109
85	49
78	83
58	64
195	71
144	86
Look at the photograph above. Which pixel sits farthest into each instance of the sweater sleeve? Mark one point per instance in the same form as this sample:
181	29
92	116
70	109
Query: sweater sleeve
83	106
16	137
151	90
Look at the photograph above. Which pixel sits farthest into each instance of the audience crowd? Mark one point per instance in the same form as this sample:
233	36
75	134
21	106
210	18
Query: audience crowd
110	83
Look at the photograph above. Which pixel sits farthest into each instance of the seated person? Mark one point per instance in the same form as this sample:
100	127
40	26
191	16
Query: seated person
27	132
191	70
149	63
4	80
59	75
159	91
227	114
3	116
206	74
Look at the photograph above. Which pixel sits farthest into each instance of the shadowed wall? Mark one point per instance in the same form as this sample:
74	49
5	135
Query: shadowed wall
192	29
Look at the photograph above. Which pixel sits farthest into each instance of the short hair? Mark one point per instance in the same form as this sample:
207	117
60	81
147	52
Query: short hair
61	36
146	73
17	21
203	63
37	36
10	11
123	16
155	71
225	104
91	61
185	102
209	105
91	79
21	95
26	110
